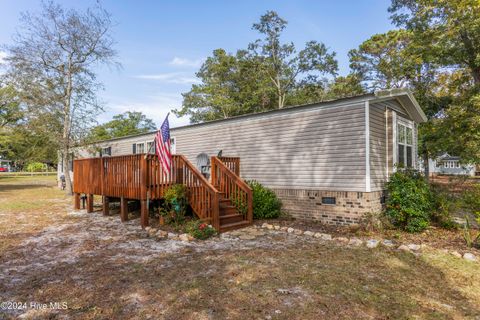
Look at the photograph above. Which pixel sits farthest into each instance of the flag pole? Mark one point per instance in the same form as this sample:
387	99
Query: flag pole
153	144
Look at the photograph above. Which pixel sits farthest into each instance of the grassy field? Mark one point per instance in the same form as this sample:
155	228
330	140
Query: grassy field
103	269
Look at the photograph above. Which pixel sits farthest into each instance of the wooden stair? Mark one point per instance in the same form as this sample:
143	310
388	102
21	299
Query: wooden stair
230	218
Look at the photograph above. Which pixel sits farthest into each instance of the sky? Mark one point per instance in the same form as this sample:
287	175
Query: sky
161	44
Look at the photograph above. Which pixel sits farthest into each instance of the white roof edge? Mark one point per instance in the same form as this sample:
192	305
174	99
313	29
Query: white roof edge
408	98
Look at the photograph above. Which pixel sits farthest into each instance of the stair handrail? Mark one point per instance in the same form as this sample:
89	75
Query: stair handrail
197	205
246	202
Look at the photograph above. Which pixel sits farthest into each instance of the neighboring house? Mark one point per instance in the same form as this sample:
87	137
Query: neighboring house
326	161
450	165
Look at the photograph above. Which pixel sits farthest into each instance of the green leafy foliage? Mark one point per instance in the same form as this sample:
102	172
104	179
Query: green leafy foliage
471	200
266	205
128	123
199	229
471	237
409	201
35	167
443	205
175	204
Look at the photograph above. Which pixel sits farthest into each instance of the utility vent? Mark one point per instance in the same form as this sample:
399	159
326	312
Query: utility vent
329	200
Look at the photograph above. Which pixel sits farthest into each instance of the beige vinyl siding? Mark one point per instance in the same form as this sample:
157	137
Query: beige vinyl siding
378	146
320	148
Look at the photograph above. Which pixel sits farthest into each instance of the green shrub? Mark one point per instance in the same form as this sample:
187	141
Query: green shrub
266	205
35	167
472	238
408	203
443	204
175	205
199	229
470	200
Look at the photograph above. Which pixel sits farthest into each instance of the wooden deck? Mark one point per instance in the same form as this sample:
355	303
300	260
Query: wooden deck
226	201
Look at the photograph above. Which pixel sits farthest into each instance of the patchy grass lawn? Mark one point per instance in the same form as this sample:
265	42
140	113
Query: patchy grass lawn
103	269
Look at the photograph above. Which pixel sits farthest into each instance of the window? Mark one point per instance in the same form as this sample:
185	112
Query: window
140	148
150	147
173	148
107	151
458	164
405	145
329	200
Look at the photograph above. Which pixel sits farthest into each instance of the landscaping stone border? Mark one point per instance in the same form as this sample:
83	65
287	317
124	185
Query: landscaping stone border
356	242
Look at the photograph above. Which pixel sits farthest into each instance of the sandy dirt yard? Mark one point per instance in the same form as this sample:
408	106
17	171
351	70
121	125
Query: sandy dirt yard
57	263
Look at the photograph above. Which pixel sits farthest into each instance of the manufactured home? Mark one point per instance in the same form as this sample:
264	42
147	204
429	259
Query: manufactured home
326	161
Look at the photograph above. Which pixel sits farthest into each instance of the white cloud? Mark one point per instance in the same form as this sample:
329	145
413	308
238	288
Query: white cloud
183	62
170	77
3	55
154	107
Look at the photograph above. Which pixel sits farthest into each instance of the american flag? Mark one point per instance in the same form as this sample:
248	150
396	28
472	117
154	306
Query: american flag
162	146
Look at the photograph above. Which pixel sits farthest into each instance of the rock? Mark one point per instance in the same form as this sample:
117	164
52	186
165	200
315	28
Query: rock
148	229
152	232
388	243
184	237
309	233
404	248
355	242
276	227
469	256
323	236
264	225
456	254
283	228
172	236
413	247
269	227
298	232
161	234
372	243
342	239
290	230
247	237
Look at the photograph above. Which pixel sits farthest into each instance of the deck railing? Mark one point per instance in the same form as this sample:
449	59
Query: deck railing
141	177
234	188
202	196
232	163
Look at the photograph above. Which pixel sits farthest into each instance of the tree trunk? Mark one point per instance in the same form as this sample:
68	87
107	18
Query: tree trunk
426	168
476	76
66	131
66	172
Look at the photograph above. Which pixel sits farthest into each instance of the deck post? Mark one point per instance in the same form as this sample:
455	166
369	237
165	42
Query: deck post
76	197
143	213
106	205
216	211
89	203
123	209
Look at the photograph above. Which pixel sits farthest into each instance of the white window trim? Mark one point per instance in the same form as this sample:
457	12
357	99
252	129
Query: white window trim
409	124
173	144
148	147
136	147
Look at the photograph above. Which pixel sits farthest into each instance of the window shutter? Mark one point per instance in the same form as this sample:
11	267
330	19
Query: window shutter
134	148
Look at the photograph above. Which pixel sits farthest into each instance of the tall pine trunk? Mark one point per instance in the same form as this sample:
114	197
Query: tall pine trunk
66	132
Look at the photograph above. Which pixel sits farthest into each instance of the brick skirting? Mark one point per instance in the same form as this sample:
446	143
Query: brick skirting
349	209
